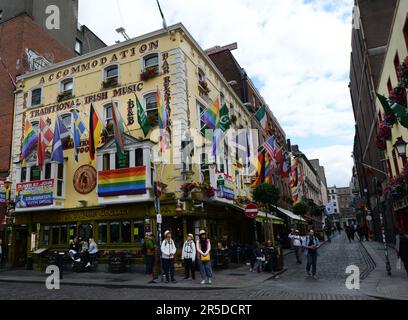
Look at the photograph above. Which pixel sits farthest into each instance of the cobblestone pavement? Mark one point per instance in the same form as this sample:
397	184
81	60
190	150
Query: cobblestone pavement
332	263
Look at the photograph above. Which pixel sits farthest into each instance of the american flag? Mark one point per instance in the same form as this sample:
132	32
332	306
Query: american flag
270	146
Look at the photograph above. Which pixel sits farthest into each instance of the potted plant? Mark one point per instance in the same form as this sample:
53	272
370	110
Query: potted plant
67	143
149	72
153	118
109	83
398	95
64	96
403	73
187	188
390	119
207	189
107	132
203	86
384	131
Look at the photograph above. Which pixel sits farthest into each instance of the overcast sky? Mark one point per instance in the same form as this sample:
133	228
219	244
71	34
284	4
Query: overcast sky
296	51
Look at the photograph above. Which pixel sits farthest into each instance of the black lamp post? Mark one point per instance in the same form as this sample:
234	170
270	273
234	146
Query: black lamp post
401	147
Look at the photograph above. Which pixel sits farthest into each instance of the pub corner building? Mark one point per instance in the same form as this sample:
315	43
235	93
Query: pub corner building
112	198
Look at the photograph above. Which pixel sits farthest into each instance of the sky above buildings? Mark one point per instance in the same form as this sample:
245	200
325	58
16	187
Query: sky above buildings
296	51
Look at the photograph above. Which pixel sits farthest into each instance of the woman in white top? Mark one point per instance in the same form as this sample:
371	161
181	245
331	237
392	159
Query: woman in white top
168	250
188	256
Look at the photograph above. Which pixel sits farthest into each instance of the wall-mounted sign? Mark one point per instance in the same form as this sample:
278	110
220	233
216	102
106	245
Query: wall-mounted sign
35	194
2	192
85	179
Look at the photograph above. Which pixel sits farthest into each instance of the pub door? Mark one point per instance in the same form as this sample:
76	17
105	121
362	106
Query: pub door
20	247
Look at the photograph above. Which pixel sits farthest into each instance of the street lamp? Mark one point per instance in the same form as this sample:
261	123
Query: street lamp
401	147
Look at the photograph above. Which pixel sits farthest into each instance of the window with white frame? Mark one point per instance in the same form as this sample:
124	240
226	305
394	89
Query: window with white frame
78	46
201	75
36	97
152	112
60	180
201	109
111	74
151	61
108	116
35	125
67	87
222	99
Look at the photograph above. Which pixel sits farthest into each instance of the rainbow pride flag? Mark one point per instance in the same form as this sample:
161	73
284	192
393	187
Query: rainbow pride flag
29	140
211	116
122	182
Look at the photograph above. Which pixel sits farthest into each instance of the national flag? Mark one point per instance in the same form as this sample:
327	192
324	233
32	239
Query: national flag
142	117
29	140
278	156
119	130
259	164
45	136
294	178
284	167
211	116
270	146
95	130
78	129
268	178
163	119
222	126
60	133
400	111
261	116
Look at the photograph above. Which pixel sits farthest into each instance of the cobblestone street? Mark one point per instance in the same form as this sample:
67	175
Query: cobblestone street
293	284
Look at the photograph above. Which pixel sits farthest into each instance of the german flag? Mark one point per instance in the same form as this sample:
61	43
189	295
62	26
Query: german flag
95	130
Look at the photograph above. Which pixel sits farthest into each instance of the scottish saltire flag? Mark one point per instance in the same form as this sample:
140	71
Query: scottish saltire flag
78	129
260	115
211	116
60	133
270	146
29	140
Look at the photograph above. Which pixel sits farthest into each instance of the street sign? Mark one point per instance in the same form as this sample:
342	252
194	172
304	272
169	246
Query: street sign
159	218
251	210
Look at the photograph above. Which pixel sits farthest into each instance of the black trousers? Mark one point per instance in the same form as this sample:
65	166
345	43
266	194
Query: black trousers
189	266
168	266
311	263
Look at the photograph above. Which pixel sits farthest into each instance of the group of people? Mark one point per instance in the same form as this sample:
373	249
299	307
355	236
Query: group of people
361	231
307	246
264	257
192	252
82	251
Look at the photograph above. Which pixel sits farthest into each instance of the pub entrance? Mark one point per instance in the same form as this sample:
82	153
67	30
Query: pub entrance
20	245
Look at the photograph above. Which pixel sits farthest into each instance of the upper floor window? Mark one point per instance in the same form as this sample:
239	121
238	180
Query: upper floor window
201	109
254	101
397	65
222	99
36	97
201	75
123	161
151	61
78	46
111	74
67	86
152	112
108	116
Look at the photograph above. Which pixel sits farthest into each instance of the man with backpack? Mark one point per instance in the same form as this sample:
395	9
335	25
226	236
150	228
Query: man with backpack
311	244
148	248
297	242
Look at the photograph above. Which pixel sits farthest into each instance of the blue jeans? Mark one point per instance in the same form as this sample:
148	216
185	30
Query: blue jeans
311	263
205	269
149	264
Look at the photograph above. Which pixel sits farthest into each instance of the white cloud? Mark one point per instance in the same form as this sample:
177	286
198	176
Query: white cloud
297	49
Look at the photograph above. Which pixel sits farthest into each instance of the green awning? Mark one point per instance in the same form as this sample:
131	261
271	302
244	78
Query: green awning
275	220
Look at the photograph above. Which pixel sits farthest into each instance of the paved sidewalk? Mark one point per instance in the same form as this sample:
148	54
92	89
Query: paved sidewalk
378	284
237	278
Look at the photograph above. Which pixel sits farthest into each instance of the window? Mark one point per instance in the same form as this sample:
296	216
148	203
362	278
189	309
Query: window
222	99
35	125
78	46
397	65
102	233
72	231
122	161
126	232
85	231
138	231
108	114
35	174
396	166
114	232
106	162
1	15
66	121
46	238
67	87
139	158
55	235
151	61
60	180
23	174
201	75
201	109
112	74
36	97
63	234
151	106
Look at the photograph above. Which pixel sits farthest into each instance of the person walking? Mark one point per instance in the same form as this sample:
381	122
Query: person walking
311	245
188	256
149	252
402	248
168	250
93	252
204	258
297	241
260	258
350	233
271	254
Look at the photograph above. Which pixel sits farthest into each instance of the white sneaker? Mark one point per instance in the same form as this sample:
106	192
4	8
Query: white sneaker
203	282
88	265
78	260
209	281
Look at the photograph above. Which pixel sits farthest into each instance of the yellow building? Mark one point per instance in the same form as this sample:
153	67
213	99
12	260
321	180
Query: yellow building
62	201
391	78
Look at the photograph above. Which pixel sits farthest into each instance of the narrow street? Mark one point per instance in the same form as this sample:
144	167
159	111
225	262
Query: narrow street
293	284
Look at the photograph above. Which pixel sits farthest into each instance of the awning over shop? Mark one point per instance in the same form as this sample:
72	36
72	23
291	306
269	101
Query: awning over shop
275	220
291	215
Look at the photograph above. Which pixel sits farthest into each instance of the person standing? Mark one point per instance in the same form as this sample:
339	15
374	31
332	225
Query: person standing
271	254
168	250
188	256
297	246
149	252
402	248
311	244
204	258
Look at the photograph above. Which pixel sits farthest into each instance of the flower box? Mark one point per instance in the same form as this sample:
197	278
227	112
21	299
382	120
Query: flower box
64	96
203	87
149	73
109	83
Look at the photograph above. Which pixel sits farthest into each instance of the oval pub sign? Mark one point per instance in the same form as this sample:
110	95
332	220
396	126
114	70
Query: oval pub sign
85	179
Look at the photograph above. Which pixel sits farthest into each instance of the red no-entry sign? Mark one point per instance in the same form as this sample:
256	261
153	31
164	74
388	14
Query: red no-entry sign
251	210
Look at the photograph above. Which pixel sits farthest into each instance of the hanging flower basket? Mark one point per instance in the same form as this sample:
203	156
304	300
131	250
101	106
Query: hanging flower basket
109	83
384	132
403	73
398	95
208	190
149	73
390	119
